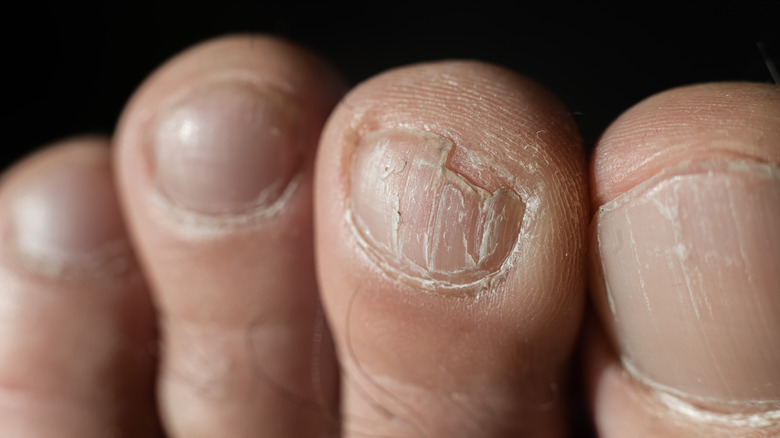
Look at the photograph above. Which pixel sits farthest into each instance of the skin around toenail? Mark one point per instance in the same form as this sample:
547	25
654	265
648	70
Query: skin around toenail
690	265
227	149
420	217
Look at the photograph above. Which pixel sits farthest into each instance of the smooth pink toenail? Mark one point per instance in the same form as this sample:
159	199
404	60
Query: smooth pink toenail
228	149
69	215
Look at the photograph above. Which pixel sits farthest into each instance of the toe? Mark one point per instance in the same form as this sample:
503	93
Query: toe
450	212
215	161
686	255
76	323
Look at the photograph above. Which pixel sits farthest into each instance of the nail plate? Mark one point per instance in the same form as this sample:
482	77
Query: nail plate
227	149
67	216
690	265
421	218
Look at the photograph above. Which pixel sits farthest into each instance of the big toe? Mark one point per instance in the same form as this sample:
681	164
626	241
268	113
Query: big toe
450	213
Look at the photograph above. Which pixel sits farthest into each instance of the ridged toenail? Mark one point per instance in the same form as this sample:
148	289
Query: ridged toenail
228	149
689	260
422	218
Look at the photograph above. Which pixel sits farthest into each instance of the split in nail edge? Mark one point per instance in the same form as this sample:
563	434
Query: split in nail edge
424	221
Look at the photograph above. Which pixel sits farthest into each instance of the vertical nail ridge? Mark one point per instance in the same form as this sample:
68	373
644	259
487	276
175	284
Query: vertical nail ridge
690	267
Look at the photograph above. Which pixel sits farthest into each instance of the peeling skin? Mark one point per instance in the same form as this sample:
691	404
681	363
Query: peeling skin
424	221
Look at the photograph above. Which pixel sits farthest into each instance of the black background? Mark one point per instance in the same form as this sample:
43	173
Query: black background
73	66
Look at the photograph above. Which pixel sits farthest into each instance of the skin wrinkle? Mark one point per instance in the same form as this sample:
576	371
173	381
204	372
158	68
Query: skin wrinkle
317	405
726	120
428	96
414	421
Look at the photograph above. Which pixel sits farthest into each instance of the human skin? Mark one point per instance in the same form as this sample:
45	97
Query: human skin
412	258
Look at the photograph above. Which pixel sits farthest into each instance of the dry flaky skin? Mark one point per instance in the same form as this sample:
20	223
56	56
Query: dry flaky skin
492	330
426	222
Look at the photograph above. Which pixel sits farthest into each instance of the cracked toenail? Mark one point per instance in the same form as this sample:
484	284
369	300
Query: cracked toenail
421	217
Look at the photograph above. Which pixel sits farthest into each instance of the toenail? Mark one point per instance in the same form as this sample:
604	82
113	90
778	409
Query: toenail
420	217
690	265
228	149
68	217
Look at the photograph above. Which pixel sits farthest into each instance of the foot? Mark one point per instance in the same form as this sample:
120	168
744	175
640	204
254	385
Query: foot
255	257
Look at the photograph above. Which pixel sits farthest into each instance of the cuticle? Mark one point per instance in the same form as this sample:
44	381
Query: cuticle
429	284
